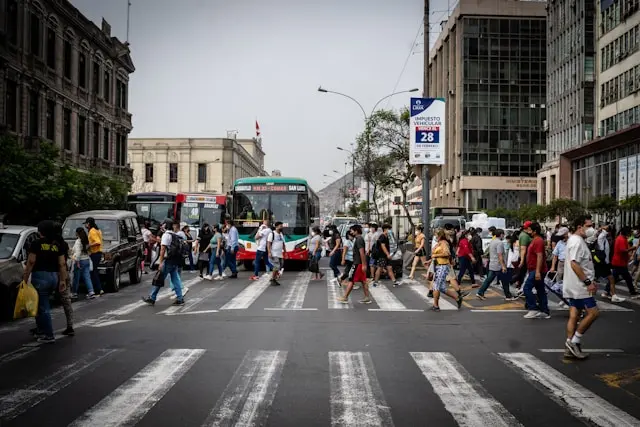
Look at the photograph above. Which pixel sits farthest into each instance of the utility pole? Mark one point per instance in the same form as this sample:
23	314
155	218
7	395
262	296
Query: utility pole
425	168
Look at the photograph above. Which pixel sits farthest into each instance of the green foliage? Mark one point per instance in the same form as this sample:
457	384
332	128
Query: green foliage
631	203
538	213
35	186
605	206
567	209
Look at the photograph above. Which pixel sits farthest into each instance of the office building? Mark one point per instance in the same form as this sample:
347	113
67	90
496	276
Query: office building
193	164
571	87
489	64
65	80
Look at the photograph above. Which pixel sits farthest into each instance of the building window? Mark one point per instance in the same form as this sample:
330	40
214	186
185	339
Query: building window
34	113
34	34
11	109
96	140
51	48
96	78
543	191
51	120
552	192
82	135
106	146
68	52
121	94
202	173
123	150
12	22
82	70
148	172
173	172
66	117
107	86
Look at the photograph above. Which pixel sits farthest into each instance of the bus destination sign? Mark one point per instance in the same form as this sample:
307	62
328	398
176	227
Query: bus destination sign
269	188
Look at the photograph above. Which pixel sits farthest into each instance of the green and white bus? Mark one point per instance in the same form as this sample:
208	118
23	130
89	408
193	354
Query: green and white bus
288	200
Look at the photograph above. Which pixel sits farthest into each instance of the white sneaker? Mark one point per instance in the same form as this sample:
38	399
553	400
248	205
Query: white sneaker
616	298
543	315
207	277
224	276
281	271
531	314
218	278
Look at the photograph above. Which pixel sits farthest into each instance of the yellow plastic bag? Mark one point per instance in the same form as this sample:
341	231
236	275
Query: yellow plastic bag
26	302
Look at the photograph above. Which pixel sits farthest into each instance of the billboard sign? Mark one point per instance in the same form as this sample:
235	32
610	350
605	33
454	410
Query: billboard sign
622	179
632	176
427	131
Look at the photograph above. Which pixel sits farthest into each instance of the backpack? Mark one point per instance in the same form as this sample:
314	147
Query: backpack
178	249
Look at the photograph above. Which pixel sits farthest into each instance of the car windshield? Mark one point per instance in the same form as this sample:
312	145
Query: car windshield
8	244
108	227
340	221
441	222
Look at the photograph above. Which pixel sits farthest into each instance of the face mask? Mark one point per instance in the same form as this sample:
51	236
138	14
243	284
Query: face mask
417	232
590	232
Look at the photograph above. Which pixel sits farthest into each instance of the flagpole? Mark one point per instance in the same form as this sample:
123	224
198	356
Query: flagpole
128	19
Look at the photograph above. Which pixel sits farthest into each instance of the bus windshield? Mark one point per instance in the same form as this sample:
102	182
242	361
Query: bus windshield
155	213
288	208
196	214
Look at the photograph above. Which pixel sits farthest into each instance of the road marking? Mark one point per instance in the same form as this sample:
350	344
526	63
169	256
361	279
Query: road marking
333	292
249	295
21	400
191	302
603	306
290	309
132	400
620	379
589	350
110	323
192	312
498	311
20	353
423	293
386	300
294	297
463	397
572	396
247	399
356	396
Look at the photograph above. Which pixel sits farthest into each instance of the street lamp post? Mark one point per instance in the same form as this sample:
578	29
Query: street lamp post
367	129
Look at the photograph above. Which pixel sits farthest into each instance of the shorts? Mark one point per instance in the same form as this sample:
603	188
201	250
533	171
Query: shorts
372	261
356	275
582	303
381	262
277	263
440	278
422	252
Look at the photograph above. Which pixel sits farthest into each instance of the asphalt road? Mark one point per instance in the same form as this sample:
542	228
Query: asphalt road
244	353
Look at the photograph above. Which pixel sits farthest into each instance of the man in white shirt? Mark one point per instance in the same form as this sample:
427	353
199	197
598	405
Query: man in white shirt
276	249
171	260
261	252
578	287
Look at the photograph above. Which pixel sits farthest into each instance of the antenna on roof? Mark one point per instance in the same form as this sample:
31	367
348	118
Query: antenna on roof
128	19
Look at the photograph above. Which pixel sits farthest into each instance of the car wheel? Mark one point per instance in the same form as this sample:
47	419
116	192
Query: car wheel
135	275
115	279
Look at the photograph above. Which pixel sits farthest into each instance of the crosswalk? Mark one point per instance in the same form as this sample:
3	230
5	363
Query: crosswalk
355	390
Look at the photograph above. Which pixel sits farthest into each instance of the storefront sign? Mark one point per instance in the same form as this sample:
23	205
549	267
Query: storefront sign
427	132
632	176
622	179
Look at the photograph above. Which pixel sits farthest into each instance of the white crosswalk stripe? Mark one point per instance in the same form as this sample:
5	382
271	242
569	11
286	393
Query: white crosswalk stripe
386	300
356	397
293	298
423	292
578	400
248	295
333	292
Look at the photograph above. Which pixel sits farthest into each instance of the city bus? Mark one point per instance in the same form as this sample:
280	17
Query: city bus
448	211
288	200
193	209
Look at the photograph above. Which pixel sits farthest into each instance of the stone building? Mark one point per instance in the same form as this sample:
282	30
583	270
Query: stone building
65	80
193	164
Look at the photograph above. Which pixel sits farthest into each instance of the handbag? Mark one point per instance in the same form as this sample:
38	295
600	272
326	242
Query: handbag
313	265
158	279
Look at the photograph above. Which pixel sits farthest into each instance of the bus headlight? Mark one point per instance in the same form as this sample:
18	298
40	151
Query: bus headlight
302	245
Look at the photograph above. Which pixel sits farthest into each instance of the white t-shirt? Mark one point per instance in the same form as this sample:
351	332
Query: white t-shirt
261	237
277	244
166	238
578	251
146	235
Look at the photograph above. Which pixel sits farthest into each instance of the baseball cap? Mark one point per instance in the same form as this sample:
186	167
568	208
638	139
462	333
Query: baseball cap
563	231
527	224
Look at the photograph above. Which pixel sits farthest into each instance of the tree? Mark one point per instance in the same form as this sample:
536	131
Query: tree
605	206
386	141
568	209
34	185
631	204
538	213
511	216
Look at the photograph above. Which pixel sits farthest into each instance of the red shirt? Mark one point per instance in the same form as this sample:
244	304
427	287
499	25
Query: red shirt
464	248
620	252
536	247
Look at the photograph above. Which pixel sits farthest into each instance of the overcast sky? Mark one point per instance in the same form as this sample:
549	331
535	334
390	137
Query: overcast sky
207	66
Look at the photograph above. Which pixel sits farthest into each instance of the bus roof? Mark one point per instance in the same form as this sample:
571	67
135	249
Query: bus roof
274	179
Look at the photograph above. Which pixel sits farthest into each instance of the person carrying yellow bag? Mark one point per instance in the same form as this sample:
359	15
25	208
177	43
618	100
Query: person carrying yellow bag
26	301
47	267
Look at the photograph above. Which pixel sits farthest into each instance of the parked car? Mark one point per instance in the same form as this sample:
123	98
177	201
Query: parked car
122	244
14	242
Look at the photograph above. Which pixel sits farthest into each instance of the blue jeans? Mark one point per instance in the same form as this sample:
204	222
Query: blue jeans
173	271
213	261
95	276
465	265
261	256
83	271
230	259
335	261
503	278
541	303
45	282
